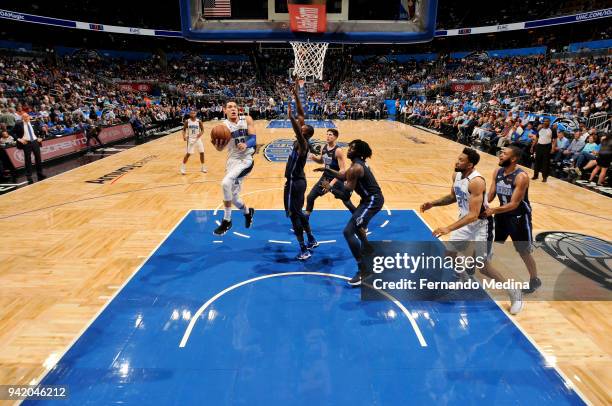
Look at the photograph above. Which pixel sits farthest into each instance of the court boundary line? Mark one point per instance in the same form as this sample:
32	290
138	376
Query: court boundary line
209	302
566	381
43	375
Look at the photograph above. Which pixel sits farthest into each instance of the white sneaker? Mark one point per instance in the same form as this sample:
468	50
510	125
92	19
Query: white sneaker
203	169
183	171
516	301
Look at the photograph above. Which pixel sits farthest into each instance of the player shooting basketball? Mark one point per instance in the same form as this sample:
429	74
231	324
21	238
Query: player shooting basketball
241	147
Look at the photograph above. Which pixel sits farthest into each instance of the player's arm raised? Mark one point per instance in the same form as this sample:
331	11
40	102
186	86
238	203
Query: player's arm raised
521	183
443	201
297	129
492	191
476	189
298	103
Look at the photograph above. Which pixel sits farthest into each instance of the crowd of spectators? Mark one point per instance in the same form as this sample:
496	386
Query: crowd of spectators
490	129
82	91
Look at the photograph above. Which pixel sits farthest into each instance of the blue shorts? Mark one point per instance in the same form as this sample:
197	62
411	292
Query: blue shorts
367	209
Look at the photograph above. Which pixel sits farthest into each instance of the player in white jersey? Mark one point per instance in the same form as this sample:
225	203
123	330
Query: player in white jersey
241	148
469	192
193	130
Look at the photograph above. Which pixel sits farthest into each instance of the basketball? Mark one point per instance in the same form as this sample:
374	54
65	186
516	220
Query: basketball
220	132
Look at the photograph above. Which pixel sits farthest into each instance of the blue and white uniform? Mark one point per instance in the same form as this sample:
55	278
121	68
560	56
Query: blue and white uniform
193	141
479	231
239	163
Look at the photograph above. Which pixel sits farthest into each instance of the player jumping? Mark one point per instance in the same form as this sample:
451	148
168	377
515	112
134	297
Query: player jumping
241	148
295	185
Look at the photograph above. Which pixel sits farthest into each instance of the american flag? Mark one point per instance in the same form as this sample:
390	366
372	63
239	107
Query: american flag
217	8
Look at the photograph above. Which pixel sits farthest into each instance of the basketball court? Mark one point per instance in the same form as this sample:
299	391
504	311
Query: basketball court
120	290
114	286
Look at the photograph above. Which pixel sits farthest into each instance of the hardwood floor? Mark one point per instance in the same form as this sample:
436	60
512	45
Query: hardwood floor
68	245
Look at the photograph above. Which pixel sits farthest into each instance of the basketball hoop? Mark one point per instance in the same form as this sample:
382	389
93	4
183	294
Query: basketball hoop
309	58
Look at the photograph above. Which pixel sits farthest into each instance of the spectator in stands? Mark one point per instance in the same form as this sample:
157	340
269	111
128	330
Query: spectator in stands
560	146
588	153
6	140
8	119
574	148
601	163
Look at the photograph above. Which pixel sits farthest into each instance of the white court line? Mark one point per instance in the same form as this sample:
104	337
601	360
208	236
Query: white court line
567	382
387	208
384	224
327	242
210	301
217	242
241	235
279	242
50	367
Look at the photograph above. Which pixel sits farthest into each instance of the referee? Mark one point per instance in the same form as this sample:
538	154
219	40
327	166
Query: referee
543	148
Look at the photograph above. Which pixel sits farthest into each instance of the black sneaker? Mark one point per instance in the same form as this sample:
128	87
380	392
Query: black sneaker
223	228
312	243
359	277
248	218
534	284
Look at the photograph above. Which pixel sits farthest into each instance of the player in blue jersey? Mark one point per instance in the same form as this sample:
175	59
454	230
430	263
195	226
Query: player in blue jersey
513	216
359	178
295	185
332	157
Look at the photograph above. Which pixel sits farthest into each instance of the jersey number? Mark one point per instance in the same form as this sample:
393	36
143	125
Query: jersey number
239	140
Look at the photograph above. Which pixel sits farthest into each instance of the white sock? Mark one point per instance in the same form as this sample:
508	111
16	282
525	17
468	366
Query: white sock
227	213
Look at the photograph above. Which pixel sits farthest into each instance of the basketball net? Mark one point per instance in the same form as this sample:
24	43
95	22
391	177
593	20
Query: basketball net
309	58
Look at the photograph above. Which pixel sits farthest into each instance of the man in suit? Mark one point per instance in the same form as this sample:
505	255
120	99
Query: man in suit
30	143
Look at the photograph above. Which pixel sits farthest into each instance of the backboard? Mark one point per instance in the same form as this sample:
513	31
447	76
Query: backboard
348	21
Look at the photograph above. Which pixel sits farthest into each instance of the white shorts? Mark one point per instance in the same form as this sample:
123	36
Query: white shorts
479	232
192	145
236	170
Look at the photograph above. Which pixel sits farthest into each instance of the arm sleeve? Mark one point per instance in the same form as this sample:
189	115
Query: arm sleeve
251	141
